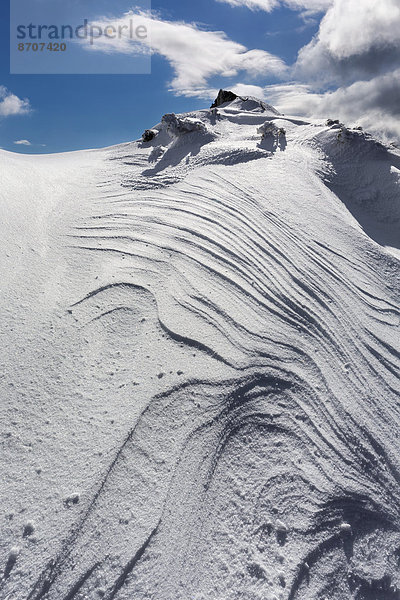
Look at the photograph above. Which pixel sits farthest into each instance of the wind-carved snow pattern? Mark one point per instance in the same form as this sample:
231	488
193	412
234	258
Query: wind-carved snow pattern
224	342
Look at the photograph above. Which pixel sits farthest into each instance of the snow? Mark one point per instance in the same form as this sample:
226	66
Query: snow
200	364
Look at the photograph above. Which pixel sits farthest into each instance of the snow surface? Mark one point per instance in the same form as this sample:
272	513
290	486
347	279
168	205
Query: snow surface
200	365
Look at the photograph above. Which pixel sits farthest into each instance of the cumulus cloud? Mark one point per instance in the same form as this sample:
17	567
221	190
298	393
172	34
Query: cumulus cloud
348	71
23	143
12	105
351	27
356	52
372	104
355	40
195	54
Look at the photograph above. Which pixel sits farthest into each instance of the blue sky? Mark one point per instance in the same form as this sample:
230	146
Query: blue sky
71	112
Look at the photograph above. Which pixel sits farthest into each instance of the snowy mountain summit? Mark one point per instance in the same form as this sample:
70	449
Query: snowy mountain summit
200	364
247	104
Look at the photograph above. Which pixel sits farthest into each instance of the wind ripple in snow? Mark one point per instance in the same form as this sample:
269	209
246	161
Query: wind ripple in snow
274	471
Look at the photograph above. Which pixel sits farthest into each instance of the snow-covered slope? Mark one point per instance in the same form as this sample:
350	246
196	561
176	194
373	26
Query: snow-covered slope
200	364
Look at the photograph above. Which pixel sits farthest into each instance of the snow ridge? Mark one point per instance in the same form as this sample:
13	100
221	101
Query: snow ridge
219	299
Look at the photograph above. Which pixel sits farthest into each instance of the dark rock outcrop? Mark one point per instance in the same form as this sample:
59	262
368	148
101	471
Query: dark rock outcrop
149	135
223	97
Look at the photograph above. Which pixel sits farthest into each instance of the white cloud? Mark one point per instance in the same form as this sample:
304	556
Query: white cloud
371	104
348	71
310	6
355	39
357	49
267	5
12	105
23	143
195	55
242	89
352	27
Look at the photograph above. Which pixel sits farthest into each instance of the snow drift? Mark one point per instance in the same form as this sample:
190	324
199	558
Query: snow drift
200	364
